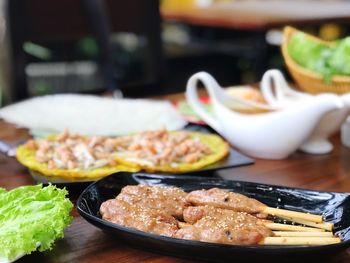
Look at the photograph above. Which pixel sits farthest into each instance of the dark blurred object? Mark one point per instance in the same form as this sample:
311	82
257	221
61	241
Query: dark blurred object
56	28
248	33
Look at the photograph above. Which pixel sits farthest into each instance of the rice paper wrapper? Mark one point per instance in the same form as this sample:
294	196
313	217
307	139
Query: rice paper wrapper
91	115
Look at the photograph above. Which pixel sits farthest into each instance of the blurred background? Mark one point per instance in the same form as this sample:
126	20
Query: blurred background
149	47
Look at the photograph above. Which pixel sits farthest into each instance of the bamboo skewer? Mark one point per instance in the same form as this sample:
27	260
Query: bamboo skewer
290	238
183	224
293	235
276	226
324	225
292	214
302	234
285	227
297	241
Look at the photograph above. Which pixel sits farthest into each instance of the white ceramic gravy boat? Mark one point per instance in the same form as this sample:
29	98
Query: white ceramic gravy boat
270	135
278	94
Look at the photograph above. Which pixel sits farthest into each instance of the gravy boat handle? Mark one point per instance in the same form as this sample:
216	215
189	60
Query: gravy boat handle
193	99
276	90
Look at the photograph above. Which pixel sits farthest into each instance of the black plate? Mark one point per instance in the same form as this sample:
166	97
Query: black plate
334	206
74	187
40	178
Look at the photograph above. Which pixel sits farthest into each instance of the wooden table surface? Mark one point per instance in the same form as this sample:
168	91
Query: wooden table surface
85	243
255	14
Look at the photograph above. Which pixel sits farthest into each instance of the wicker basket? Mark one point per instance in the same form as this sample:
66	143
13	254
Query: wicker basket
306	79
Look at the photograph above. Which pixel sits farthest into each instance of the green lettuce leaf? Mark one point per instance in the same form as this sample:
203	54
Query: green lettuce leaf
32	217
340	59
319	58
2	191
309	54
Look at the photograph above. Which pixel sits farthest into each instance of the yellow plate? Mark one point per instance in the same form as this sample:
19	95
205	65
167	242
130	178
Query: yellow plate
218	146
27	157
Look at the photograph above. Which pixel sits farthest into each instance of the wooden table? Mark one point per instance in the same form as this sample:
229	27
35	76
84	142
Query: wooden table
85	243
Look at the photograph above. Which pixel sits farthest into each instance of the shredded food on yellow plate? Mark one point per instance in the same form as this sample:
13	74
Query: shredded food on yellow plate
71	156
74	156
163	151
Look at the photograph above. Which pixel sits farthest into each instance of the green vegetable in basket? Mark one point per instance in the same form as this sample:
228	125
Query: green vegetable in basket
31	217
340	59
308	53
319	57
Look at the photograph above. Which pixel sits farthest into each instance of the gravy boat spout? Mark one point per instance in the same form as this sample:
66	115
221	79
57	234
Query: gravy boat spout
270	135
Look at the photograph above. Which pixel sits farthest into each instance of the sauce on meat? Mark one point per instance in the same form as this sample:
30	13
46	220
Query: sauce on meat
141	218
218	225
157	210
224	199
171	200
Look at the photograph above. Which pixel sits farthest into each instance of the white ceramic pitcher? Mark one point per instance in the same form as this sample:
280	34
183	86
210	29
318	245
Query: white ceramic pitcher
270	135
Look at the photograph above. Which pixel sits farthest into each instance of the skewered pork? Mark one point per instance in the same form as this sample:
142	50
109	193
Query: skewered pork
170	200
142	218
218	225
